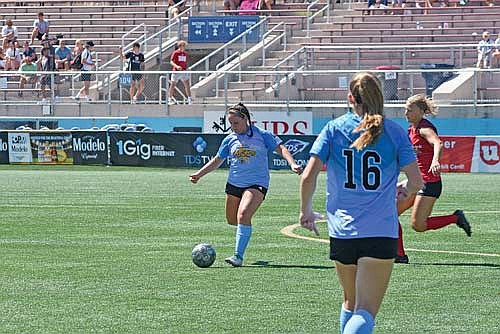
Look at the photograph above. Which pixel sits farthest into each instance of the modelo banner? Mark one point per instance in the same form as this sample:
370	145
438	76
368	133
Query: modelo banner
4	148
90	147
51	147
162	149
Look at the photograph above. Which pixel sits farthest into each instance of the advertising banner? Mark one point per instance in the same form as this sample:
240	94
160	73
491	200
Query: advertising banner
279	123
457	154
4	148
51	147
299	147
162	149
90	147
19	147
486	157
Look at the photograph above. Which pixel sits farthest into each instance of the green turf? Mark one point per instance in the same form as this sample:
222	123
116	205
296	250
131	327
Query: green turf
107	250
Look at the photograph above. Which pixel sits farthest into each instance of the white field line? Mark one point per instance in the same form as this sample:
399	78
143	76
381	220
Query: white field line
289	232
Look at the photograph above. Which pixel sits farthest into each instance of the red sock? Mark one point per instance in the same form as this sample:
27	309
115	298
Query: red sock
401	248
434	223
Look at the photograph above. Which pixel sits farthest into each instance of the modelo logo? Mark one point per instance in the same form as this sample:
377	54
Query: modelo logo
489	152
134	148
88	144
295	146
4	146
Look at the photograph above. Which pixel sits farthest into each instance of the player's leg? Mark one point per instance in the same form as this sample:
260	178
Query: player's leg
232	205
140	87
347	278
372	280
250	202
187	87
132	89
401	256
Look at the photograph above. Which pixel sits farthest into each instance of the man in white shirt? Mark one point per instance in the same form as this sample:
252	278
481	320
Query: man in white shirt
87	65
40	28
9	33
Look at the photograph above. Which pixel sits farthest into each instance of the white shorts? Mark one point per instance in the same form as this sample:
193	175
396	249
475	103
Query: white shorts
179	76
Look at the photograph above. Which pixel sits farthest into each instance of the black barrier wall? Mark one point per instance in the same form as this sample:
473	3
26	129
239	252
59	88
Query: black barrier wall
133	148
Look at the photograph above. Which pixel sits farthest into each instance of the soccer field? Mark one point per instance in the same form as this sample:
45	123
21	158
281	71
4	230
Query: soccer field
108	250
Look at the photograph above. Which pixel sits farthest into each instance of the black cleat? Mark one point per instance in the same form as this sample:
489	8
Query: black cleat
402	259
462	222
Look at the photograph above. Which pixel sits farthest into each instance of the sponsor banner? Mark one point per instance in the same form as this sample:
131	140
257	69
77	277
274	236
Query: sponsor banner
162	149
51	147
279	123
90	147
457	154
19	147
4	148
299	147
486	158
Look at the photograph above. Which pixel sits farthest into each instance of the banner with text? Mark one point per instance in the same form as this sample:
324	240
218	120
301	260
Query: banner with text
19	148
4	148
51	147
279	123
90	148
486	158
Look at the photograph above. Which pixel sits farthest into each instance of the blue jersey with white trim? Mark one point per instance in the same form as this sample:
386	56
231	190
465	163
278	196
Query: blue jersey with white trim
361	185
248	157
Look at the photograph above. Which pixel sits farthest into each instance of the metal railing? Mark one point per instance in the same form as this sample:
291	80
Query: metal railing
311	17
277	38
143	36
222	63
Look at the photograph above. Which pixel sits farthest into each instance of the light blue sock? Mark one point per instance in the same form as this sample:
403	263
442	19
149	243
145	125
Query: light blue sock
361	322
243	234
345	315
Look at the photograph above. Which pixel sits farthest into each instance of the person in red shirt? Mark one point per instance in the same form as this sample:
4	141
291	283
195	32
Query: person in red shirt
428	148
178	60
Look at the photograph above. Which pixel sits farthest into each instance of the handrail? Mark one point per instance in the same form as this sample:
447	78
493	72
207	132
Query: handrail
243	35
222	63
308	11
275	67
145	31
311	18
282	35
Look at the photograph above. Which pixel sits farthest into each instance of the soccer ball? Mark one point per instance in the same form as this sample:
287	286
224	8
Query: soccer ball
203	255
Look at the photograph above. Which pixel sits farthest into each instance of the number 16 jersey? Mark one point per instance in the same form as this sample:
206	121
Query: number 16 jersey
361	185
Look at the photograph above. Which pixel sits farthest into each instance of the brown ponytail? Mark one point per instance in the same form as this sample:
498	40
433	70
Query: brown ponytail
367	94
242	111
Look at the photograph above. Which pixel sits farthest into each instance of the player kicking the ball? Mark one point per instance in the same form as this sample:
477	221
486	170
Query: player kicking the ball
423	135
247	149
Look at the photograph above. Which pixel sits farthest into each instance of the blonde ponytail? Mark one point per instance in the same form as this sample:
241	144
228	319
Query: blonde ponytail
423	103
367	94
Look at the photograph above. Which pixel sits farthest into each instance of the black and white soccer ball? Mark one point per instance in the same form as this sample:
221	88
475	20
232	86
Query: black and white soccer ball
203	255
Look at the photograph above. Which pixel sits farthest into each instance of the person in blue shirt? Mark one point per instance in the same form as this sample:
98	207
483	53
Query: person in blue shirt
246	149
63	54
364	154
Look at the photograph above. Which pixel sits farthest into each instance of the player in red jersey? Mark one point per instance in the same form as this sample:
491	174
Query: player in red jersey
428	148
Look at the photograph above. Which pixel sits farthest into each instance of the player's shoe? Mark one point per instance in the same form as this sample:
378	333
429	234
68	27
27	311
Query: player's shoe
402	259
462	222
234	260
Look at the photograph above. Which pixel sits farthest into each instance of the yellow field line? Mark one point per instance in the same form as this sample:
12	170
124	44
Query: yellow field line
289	232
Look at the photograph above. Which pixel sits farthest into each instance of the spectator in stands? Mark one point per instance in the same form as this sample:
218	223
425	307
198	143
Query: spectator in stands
176	7
13	57
63	56
46	64
75	62
87	65
495	61
27	75
2	58
179	60
231	4
28	53
135	63
373	4
484	51
40	28
9	33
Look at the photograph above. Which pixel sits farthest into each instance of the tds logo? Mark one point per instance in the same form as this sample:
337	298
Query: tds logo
200	145
489	152
295	146
134	148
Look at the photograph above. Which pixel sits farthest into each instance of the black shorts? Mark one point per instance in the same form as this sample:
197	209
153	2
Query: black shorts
46	80
86	77
39	36
238	191
137	77
349	251
431	189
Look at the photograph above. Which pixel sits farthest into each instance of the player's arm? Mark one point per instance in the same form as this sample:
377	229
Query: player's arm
209	167
307	188
120	53
433	139
413	182
285	153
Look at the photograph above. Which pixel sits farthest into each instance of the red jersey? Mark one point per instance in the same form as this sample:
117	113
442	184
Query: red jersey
423	150
179	58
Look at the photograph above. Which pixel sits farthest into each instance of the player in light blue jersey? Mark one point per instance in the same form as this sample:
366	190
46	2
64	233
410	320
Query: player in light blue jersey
364	154
247	149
